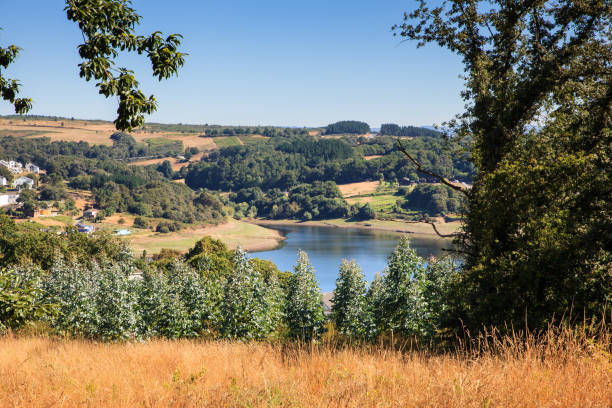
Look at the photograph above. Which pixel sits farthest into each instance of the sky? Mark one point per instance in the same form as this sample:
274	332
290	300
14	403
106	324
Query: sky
280	63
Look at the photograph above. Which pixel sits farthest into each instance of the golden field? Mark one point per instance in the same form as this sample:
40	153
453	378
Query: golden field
40	372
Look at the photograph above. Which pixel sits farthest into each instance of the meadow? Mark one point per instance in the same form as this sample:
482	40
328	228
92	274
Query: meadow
567	369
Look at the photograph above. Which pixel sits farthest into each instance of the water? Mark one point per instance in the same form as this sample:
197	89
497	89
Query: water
328	246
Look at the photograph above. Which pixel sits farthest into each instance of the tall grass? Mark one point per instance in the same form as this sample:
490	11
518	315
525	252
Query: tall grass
562	367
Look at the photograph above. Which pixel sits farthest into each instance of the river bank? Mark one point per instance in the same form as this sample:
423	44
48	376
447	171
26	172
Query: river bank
420	228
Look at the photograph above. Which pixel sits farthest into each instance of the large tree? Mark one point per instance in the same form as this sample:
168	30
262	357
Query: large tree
108	27
538	92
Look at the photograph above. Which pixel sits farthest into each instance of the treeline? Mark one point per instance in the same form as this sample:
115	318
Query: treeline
391	129
212	292
42	150
267	131
347	126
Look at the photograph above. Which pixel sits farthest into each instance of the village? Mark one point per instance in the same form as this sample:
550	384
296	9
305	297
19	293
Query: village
20	178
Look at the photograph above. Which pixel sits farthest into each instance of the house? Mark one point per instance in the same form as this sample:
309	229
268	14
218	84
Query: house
87	229
123	232
90	214
3	181
32	168
8	199
23	181
13	166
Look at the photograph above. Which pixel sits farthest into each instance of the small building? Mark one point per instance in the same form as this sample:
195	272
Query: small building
87	229
32	168
3	181
23	181
13	166
8	199
91	214
123	232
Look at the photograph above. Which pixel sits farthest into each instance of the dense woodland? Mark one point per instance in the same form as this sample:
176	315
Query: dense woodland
391	129
347	126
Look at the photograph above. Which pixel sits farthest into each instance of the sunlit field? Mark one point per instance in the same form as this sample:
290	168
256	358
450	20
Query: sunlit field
555	371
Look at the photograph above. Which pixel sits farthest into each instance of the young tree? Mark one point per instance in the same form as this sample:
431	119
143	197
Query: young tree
304	310
349	305
400	307
249	309
375	300
108	27
539	112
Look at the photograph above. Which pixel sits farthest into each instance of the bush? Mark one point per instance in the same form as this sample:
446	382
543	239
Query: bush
140	222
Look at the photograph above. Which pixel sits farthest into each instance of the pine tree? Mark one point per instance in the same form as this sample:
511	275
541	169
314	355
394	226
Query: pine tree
304	311
350	300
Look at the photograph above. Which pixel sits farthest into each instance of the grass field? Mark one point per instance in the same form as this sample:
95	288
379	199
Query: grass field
94	132
357	189
250	237
564	372
228	141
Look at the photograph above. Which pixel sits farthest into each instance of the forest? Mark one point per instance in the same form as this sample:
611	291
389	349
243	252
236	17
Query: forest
347	126
391	129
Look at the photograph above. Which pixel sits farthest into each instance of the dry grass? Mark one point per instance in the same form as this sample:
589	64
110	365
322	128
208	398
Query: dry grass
39	372
95	132
356	189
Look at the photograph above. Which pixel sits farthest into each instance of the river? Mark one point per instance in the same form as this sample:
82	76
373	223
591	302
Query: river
327	246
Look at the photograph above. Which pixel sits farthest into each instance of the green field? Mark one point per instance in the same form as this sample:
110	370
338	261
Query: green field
227	141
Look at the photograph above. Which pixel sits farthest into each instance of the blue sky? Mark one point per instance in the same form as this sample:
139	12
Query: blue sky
280	63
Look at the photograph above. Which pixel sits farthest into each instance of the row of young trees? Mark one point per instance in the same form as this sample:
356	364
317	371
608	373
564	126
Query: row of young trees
215	293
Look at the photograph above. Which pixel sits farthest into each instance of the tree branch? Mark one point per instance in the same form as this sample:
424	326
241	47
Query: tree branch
419	167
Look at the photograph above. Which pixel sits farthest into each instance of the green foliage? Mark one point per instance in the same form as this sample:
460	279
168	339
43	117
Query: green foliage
21	300
433	199
9	88
304	308
347	126
349	306
536	236
108	28
250	309
391	129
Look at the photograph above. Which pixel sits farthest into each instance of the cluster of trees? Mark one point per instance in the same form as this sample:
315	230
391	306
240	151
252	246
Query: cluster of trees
391	129
42	150
262	131
347	126
319	200
433	199
213	292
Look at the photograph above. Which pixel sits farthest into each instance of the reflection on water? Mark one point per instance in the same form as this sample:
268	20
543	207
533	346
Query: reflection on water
327	246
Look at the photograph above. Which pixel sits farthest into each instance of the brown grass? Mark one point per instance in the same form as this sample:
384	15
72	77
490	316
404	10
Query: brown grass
559	372
97	132
354	189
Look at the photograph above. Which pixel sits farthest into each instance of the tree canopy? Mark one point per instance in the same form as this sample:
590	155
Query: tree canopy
538	125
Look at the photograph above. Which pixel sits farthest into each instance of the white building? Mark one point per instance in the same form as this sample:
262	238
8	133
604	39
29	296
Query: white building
8	199
3	181
32	168
21	181
13	166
